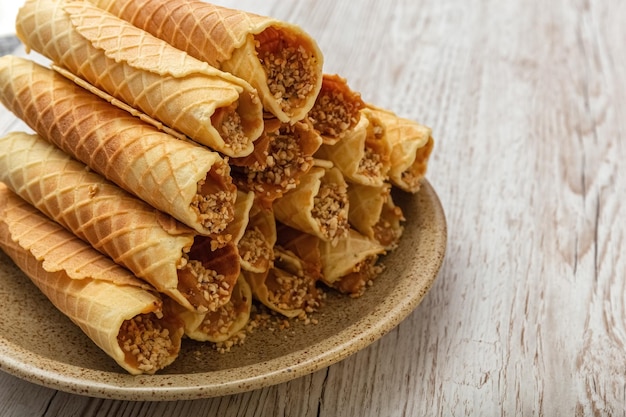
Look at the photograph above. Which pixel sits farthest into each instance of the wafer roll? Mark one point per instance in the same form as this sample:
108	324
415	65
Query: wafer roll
186	181
319	205
351	263
119	313
212	107
277	58
411	144
373	213
303	245
336	110
285	287
225	322
348	264
152	245
363	154
256	247
288	157
254	232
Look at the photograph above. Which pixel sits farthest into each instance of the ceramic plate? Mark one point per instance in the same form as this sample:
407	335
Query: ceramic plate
39	344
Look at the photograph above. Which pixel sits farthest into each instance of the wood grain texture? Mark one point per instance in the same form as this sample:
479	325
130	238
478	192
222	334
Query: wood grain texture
527	101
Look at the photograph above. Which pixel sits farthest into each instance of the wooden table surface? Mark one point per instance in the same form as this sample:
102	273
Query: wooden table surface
527	101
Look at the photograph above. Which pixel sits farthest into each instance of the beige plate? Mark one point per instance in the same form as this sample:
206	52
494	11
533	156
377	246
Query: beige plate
40	345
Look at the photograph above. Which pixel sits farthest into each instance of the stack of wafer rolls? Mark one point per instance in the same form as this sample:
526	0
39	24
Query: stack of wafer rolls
193	162
279	59
122	315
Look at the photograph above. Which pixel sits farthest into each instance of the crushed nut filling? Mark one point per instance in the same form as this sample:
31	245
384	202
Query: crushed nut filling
291	292
215	198
146	341
205	289
253	247
289	70
332	115
227	122
284	163
371	164
330	210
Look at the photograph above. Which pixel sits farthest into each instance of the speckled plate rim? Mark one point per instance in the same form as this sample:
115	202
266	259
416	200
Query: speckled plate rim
395	307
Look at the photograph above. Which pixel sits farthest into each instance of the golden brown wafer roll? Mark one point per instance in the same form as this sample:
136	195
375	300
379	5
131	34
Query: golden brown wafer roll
277	58
336	110
256	246
154	246
319	205
348	264
351	264
223	323
212	107
119	313
186	181
373	213
254	232
363	154
289	156
411	144
285	287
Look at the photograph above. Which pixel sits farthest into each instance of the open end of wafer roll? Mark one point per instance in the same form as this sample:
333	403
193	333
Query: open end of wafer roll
363	154
291	62
411	144
286	287
319	205
289	155
147	342
374	214
411	178
351	264
223	323
206	275
336	109
215	199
